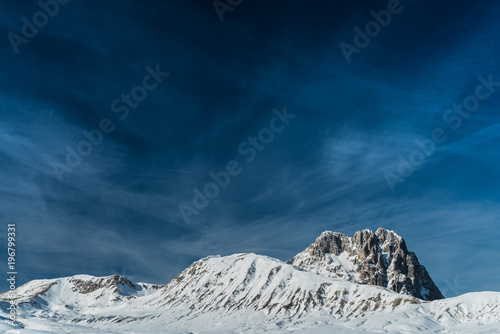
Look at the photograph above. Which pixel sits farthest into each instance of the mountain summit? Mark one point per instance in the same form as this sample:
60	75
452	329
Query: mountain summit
376	258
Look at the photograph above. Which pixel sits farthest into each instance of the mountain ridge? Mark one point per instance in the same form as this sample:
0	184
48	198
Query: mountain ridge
245	293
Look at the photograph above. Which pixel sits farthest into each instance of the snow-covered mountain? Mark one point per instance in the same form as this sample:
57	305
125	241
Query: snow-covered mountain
377	258
246	293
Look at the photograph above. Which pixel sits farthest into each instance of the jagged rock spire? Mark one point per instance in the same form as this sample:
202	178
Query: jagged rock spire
376	258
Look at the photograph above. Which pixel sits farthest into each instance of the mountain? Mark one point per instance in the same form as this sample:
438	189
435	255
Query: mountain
376	258
96	291
247	293
249	281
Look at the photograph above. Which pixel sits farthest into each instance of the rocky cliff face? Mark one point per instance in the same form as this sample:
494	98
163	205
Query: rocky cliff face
376	258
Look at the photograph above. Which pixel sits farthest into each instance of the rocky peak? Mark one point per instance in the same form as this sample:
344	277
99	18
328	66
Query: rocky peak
85	285
377	258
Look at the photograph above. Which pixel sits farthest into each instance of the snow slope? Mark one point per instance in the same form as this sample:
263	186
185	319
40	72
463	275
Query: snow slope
241	293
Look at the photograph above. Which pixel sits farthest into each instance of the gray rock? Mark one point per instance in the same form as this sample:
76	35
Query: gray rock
376	258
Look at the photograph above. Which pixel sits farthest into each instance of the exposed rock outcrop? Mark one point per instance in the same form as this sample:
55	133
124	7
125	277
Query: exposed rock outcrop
376	258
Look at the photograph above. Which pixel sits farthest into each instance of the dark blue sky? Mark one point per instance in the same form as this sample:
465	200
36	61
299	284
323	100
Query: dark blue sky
117	211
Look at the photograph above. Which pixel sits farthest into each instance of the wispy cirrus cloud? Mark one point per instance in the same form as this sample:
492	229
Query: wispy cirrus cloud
119	211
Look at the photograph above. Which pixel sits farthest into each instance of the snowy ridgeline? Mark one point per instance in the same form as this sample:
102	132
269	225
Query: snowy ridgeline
242	293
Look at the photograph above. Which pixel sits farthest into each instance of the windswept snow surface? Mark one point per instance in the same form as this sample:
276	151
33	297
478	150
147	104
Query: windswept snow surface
241	293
